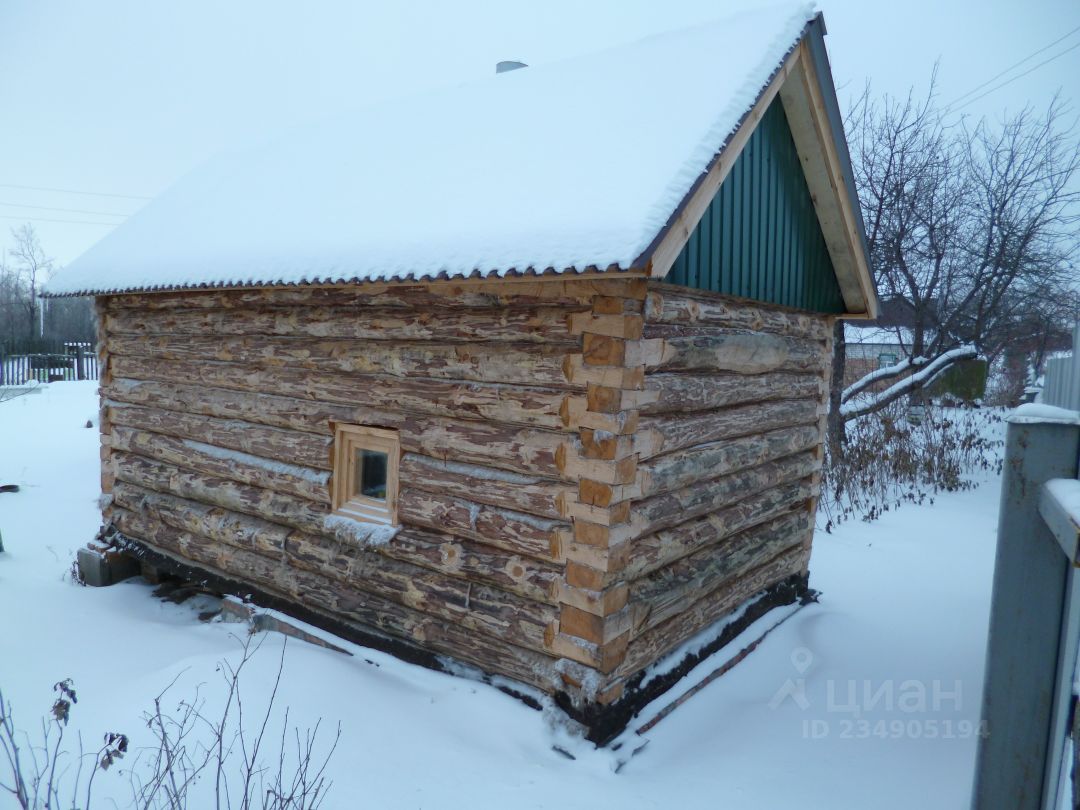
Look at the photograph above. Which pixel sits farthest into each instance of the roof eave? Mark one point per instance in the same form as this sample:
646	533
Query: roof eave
477	276
839	158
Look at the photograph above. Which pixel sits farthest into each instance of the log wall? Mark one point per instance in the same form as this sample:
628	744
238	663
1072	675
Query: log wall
591	471
218	412
728	447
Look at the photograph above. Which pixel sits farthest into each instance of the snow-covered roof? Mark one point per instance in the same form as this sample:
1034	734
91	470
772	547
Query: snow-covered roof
565	166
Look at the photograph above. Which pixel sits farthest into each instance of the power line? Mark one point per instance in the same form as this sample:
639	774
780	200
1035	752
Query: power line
1014	78
73	191
66	221
1027	58
64	210
1012	67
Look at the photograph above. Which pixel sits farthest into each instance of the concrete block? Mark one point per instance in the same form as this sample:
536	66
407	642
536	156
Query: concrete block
99	569
92	568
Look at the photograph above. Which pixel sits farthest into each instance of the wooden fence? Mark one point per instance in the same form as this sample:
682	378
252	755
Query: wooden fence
48	363
1061	386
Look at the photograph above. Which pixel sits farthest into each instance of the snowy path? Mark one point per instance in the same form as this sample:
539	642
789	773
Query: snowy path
899	634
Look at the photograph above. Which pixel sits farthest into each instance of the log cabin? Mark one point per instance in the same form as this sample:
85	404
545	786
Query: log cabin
527	375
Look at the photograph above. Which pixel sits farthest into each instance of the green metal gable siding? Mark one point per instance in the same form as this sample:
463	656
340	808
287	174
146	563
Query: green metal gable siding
759	237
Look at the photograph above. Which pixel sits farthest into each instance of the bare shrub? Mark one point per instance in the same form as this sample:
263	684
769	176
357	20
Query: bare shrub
197	759
41	772
204	760
888	460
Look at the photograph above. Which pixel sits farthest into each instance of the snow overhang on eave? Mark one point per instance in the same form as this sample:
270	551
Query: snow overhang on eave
493	275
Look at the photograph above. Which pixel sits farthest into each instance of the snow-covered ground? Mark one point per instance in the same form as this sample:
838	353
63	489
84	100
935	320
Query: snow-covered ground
868	699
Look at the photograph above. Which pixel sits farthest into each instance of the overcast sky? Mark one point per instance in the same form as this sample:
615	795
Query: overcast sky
122	98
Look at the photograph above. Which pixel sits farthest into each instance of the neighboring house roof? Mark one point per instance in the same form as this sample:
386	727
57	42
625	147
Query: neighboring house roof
897	311
603	162
857	334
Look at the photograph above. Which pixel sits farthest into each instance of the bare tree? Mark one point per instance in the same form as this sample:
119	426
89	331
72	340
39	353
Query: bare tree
973	227
12	295
32	267
29	323
1039	325
1019	221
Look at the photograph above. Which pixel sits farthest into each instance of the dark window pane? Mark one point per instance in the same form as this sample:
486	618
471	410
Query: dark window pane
371	474
886	359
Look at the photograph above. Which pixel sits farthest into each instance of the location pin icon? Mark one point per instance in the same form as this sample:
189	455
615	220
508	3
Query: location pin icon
801	658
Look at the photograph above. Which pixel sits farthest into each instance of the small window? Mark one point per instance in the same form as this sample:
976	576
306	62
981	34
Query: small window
366	473
886	359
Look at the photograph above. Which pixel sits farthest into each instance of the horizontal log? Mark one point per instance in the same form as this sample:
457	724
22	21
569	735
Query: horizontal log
504	529
491	653
681	393
495	294
301	482
520	364
527	576
492	444
513	531
537	325
671	590
669	304
442	553
469	565
669	432
719	350
538	407
523	493
305	449
220	525
672	508
705	462
160	476
500	488
476	606
712	607
655	551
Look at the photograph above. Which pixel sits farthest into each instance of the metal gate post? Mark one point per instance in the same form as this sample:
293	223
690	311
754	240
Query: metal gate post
1030	576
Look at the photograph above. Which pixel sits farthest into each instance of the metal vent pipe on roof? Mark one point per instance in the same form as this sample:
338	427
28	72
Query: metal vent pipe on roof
507	66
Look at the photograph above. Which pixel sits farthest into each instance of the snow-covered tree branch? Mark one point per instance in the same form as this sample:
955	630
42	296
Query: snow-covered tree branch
884	373
927	371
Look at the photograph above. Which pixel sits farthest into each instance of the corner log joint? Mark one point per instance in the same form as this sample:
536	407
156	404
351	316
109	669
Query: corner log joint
595	621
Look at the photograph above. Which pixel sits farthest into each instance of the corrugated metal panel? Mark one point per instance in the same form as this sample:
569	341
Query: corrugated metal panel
759	237
1061	387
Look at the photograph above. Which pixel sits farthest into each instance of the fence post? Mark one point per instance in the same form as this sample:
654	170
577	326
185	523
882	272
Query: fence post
1030	575
79	373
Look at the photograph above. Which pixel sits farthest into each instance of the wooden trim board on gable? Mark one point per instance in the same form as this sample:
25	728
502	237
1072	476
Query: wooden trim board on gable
797	84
